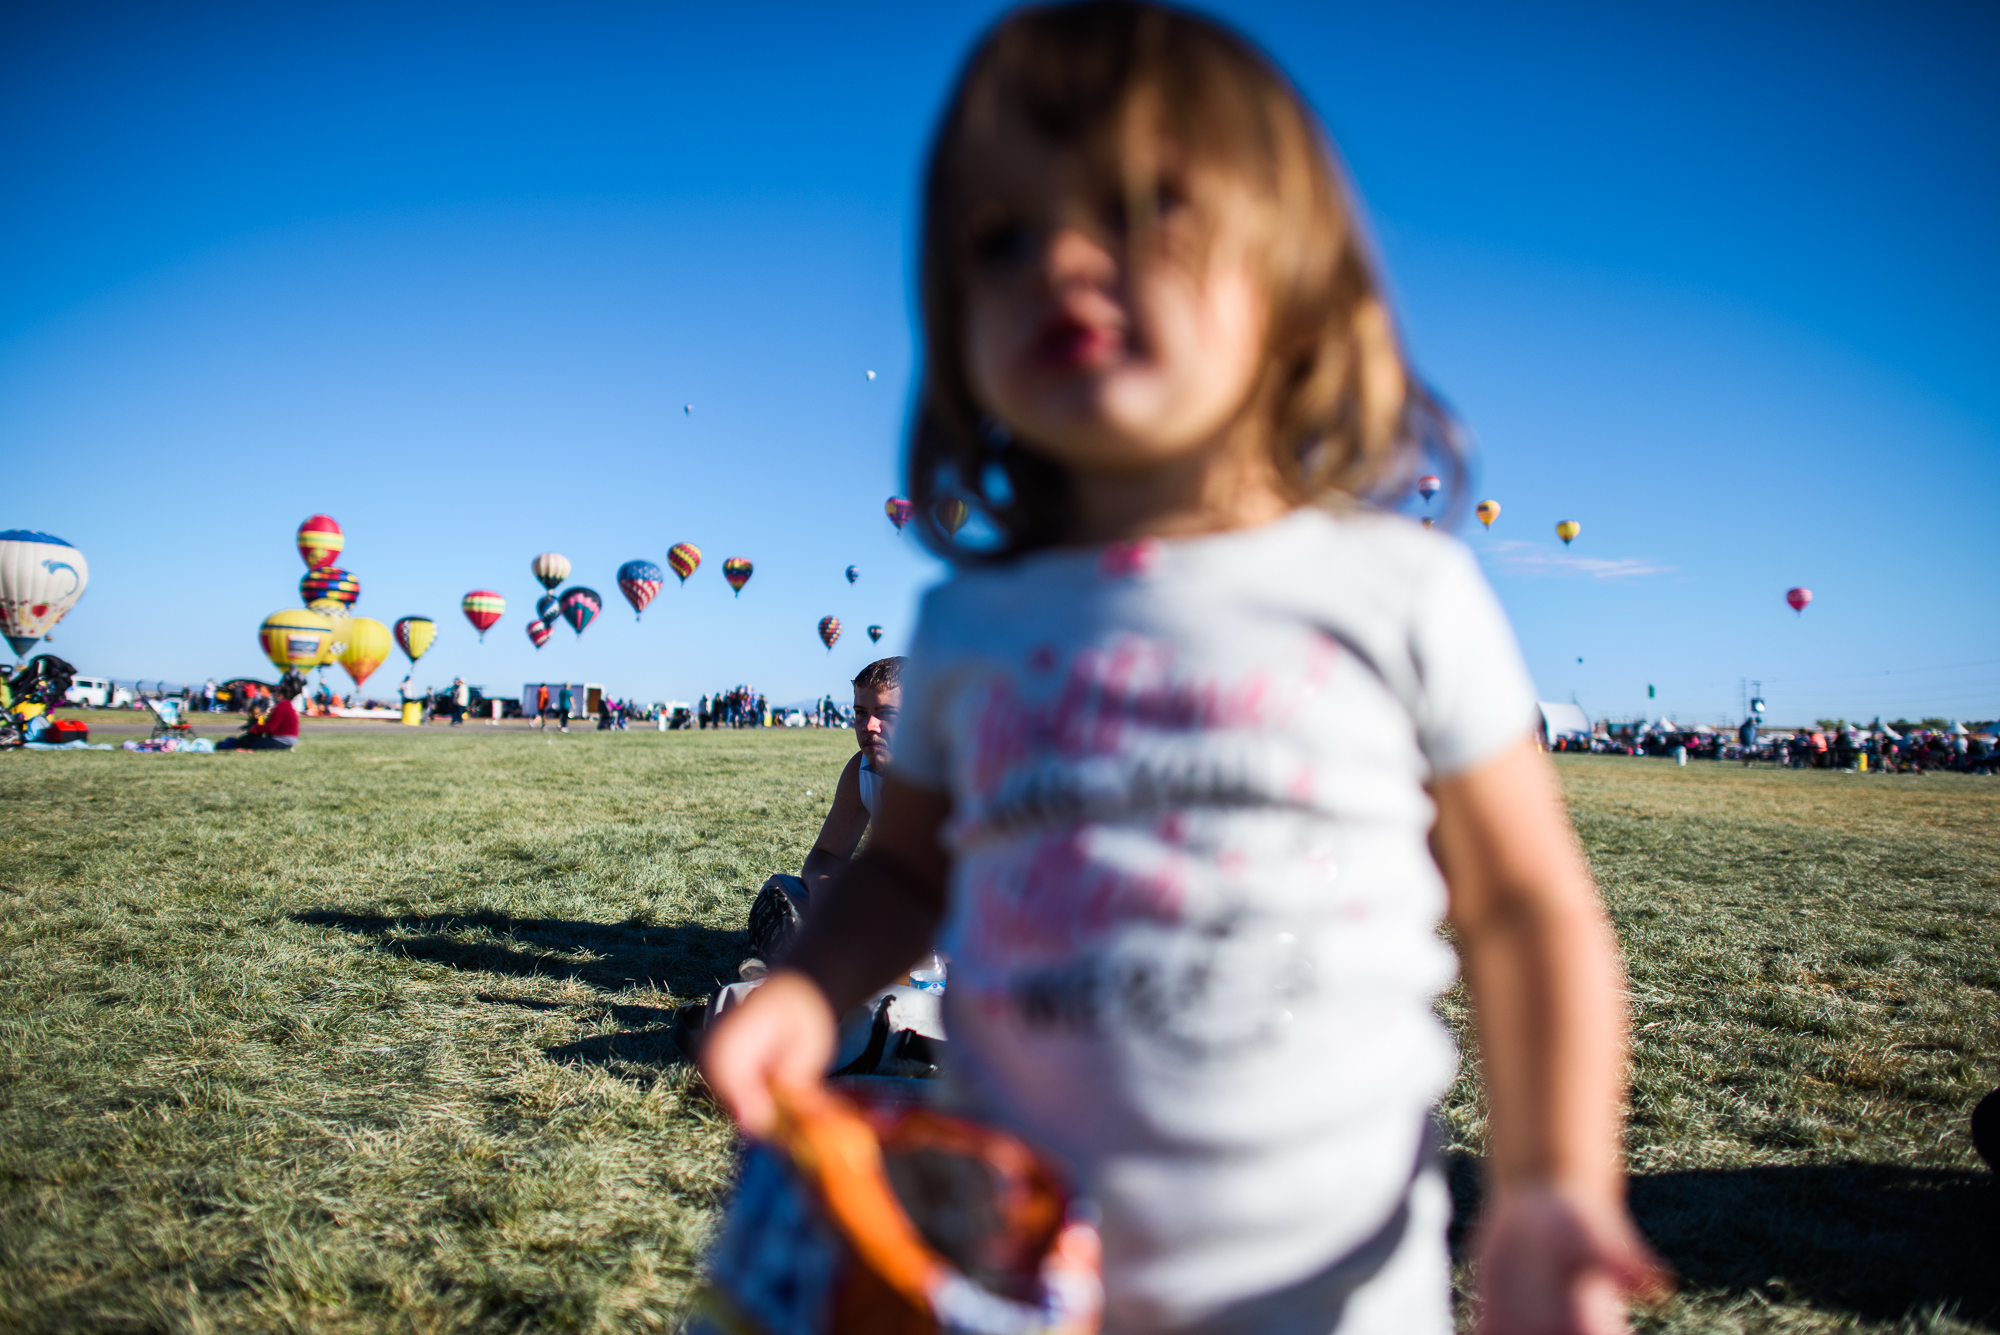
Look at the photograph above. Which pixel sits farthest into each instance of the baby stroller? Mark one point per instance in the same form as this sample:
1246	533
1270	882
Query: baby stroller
40	684
167	720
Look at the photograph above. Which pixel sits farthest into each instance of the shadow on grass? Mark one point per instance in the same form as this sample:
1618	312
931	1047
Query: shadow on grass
1876	1240
640	1055
688	960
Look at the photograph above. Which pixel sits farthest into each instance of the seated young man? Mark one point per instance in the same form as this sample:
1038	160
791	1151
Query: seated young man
878	698
277	730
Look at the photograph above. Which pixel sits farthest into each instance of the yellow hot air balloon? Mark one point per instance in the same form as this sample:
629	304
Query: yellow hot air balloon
1567	530
415	634
294	638
368	643
1488	511
337	621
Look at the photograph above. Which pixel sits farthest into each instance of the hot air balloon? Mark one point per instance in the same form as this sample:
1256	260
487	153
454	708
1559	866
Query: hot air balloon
1428	522
548	607
1427	486
41	577
538	631
1798	598
899	511
580	607
869	374
339	622
414	636
1488	511
684	558
1567	530
329	583
737	571
551	568
639	581
320	541
853	573
367	645
483	607
829	631
875	634
952	514
294	638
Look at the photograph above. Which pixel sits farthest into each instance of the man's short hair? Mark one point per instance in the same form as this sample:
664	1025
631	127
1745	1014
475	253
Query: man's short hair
882	674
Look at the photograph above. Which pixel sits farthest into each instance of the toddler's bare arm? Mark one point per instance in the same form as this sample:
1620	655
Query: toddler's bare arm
1557	1250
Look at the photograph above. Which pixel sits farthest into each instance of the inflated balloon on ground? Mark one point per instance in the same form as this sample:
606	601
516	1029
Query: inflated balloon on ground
829	631
640	581
483	607
551	568
368	643
320	541
1488	511
294	638
41	577
1567	531
684	558
414	636
580	607
737	571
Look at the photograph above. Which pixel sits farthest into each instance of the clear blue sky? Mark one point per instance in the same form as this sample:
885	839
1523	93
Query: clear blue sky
1718	283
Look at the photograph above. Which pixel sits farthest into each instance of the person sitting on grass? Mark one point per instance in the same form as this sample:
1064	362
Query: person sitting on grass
273	726
878	699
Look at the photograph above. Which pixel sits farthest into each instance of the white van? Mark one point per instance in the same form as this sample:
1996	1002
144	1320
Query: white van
92	691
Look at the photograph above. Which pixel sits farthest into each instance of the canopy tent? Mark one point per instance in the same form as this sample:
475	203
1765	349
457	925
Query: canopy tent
1562	721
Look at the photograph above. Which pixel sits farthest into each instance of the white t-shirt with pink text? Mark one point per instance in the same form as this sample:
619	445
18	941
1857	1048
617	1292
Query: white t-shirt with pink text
1193	908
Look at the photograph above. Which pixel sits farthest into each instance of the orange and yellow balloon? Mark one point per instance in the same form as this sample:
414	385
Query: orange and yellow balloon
1567	531
368	644
1488	511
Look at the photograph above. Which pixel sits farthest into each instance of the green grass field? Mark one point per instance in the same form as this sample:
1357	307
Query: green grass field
375	1036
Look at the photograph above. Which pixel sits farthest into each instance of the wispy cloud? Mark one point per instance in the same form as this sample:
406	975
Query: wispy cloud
1513	557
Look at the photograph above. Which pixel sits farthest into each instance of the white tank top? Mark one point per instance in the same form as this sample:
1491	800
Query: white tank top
871	786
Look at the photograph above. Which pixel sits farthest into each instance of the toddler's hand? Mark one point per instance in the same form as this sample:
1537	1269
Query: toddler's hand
1556	1262
782	1034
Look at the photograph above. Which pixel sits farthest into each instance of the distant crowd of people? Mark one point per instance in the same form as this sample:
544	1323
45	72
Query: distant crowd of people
1839	747
742	707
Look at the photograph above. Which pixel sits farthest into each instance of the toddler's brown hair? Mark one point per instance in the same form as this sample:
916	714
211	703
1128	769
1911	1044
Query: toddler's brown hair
1127	85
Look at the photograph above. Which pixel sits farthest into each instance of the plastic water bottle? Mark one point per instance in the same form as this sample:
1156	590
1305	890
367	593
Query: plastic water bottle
928	976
